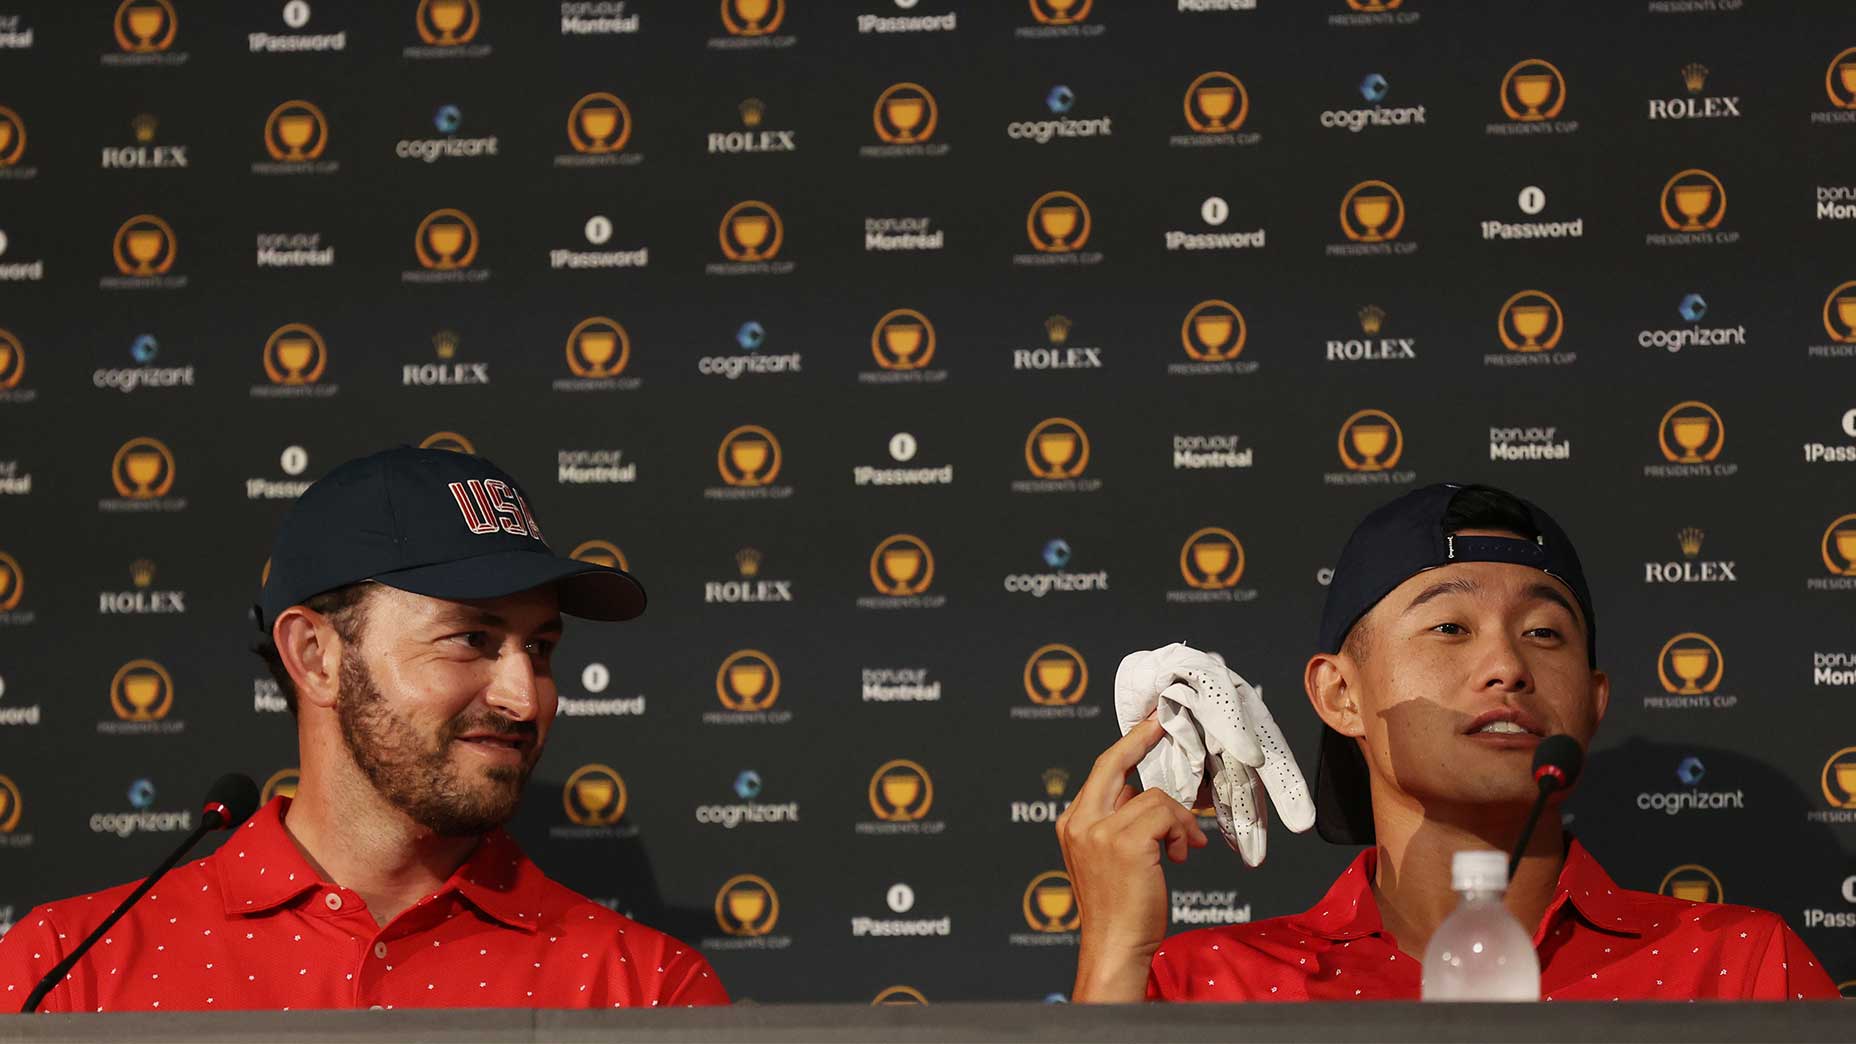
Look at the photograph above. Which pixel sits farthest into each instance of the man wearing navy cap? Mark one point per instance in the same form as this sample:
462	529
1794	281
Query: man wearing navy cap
1457	634
410	613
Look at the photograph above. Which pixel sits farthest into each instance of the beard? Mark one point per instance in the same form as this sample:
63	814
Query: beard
414	772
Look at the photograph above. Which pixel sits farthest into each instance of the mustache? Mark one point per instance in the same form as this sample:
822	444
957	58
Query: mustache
494	725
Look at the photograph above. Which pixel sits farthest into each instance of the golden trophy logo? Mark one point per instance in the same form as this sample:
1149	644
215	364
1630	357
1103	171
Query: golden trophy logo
751	231
448	440
1061	12
1050	903
12	137
601	552
11	805
1839	315
599	123
901	792
1839	779
1696	431
1214	331
1216	103
748	456
295	354
598	348
905	114
1840	79
146	26
144	247
1057	448
1058	223
903	340
282	783
1533	90
12	360
296	132
1690	664
747	905
142	690
1698	198
143	469
12	583
1839	547
1530	321
1375	5
748	680
446	240
448	23
901	566
752	17
1211	559
898	996
1694	883
1371	440
1372	212
594	796
1056	676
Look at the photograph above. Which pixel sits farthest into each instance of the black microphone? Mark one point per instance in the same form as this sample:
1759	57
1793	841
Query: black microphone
231	801
1557	762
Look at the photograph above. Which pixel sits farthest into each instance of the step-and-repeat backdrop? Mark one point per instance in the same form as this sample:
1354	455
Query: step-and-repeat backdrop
923	358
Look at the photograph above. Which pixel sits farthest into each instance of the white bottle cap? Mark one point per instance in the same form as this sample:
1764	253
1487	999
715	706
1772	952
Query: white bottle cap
1479	870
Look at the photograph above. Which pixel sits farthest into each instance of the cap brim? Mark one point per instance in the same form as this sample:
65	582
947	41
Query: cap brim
586	589
1343	794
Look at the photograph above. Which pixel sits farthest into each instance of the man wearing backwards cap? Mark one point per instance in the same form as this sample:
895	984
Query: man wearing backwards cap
409	616
1458	633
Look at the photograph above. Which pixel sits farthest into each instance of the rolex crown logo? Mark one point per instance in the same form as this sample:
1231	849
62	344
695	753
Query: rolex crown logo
142	572
1694	77
1690	539
753	111
1372	319
445	343
1057	328
1056	781
748	561
144	128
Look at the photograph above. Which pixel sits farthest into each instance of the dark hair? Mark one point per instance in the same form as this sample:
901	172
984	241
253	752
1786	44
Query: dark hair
346	610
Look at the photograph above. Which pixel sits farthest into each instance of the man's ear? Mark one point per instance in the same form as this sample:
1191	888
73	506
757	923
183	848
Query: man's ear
1601	695
1331	680
312	653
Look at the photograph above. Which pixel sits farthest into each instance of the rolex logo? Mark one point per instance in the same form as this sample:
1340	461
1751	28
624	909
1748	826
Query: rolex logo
1057	329
1056	781
751	587
748	561
1694	77
142	572
143	127
1690	541
445	343
1691	569
753	111
1372	319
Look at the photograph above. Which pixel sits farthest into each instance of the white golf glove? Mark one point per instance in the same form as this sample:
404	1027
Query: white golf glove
1208	711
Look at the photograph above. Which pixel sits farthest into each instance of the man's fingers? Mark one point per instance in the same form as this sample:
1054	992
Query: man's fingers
1111	770
1155	817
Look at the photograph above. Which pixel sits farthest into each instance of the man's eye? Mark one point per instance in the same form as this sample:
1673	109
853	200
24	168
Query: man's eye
473	639
1449	628
542	647
1544	632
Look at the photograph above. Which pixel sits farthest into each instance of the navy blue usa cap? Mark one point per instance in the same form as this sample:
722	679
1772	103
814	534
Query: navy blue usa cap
1395	542
432	522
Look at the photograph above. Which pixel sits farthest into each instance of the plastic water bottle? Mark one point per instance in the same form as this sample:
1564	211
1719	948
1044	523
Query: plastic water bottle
1480	952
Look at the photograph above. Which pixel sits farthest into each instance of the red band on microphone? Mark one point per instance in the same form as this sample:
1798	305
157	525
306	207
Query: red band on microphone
225	814
1558	774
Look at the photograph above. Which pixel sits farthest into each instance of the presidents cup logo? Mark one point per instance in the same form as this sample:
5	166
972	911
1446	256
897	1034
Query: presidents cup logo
1370	440
1532	91
751	231
1840	80
1060	12
1839	547
598	348
446	240
1840	313
1057	449
145	26
1693	201
12	361
143	469
748	680
1372	212
1375	5
594	796
905	114
142	691
1058	223
12	804
599	123
448	440
1690	664
901	792
749	456
282	783
1839	779
600	552
898	996
747	905
1050	903
1530	321
296	132
12	583
12	137
144	247
448	23
1213	331
1216	103
1694	883
1056	676
295	354
1211	559
1691	433
752	17
903	340
902	566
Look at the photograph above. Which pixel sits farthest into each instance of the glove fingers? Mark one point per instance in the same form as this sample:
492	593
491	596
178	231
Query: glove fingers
1281	777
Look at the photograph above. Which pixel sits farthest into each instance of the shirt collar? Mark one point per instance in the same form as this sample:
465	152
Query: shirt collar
260	869
1349	910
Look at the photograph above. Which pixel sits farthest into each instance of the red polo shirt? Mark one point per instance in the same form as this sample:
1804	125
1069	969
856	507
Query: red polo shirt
1596	942
252	926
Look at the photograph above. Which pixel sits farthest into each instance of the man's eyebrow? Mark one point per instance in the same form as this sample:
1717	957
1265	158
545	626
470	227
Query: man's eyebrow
1549	593
472	617
1459	585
